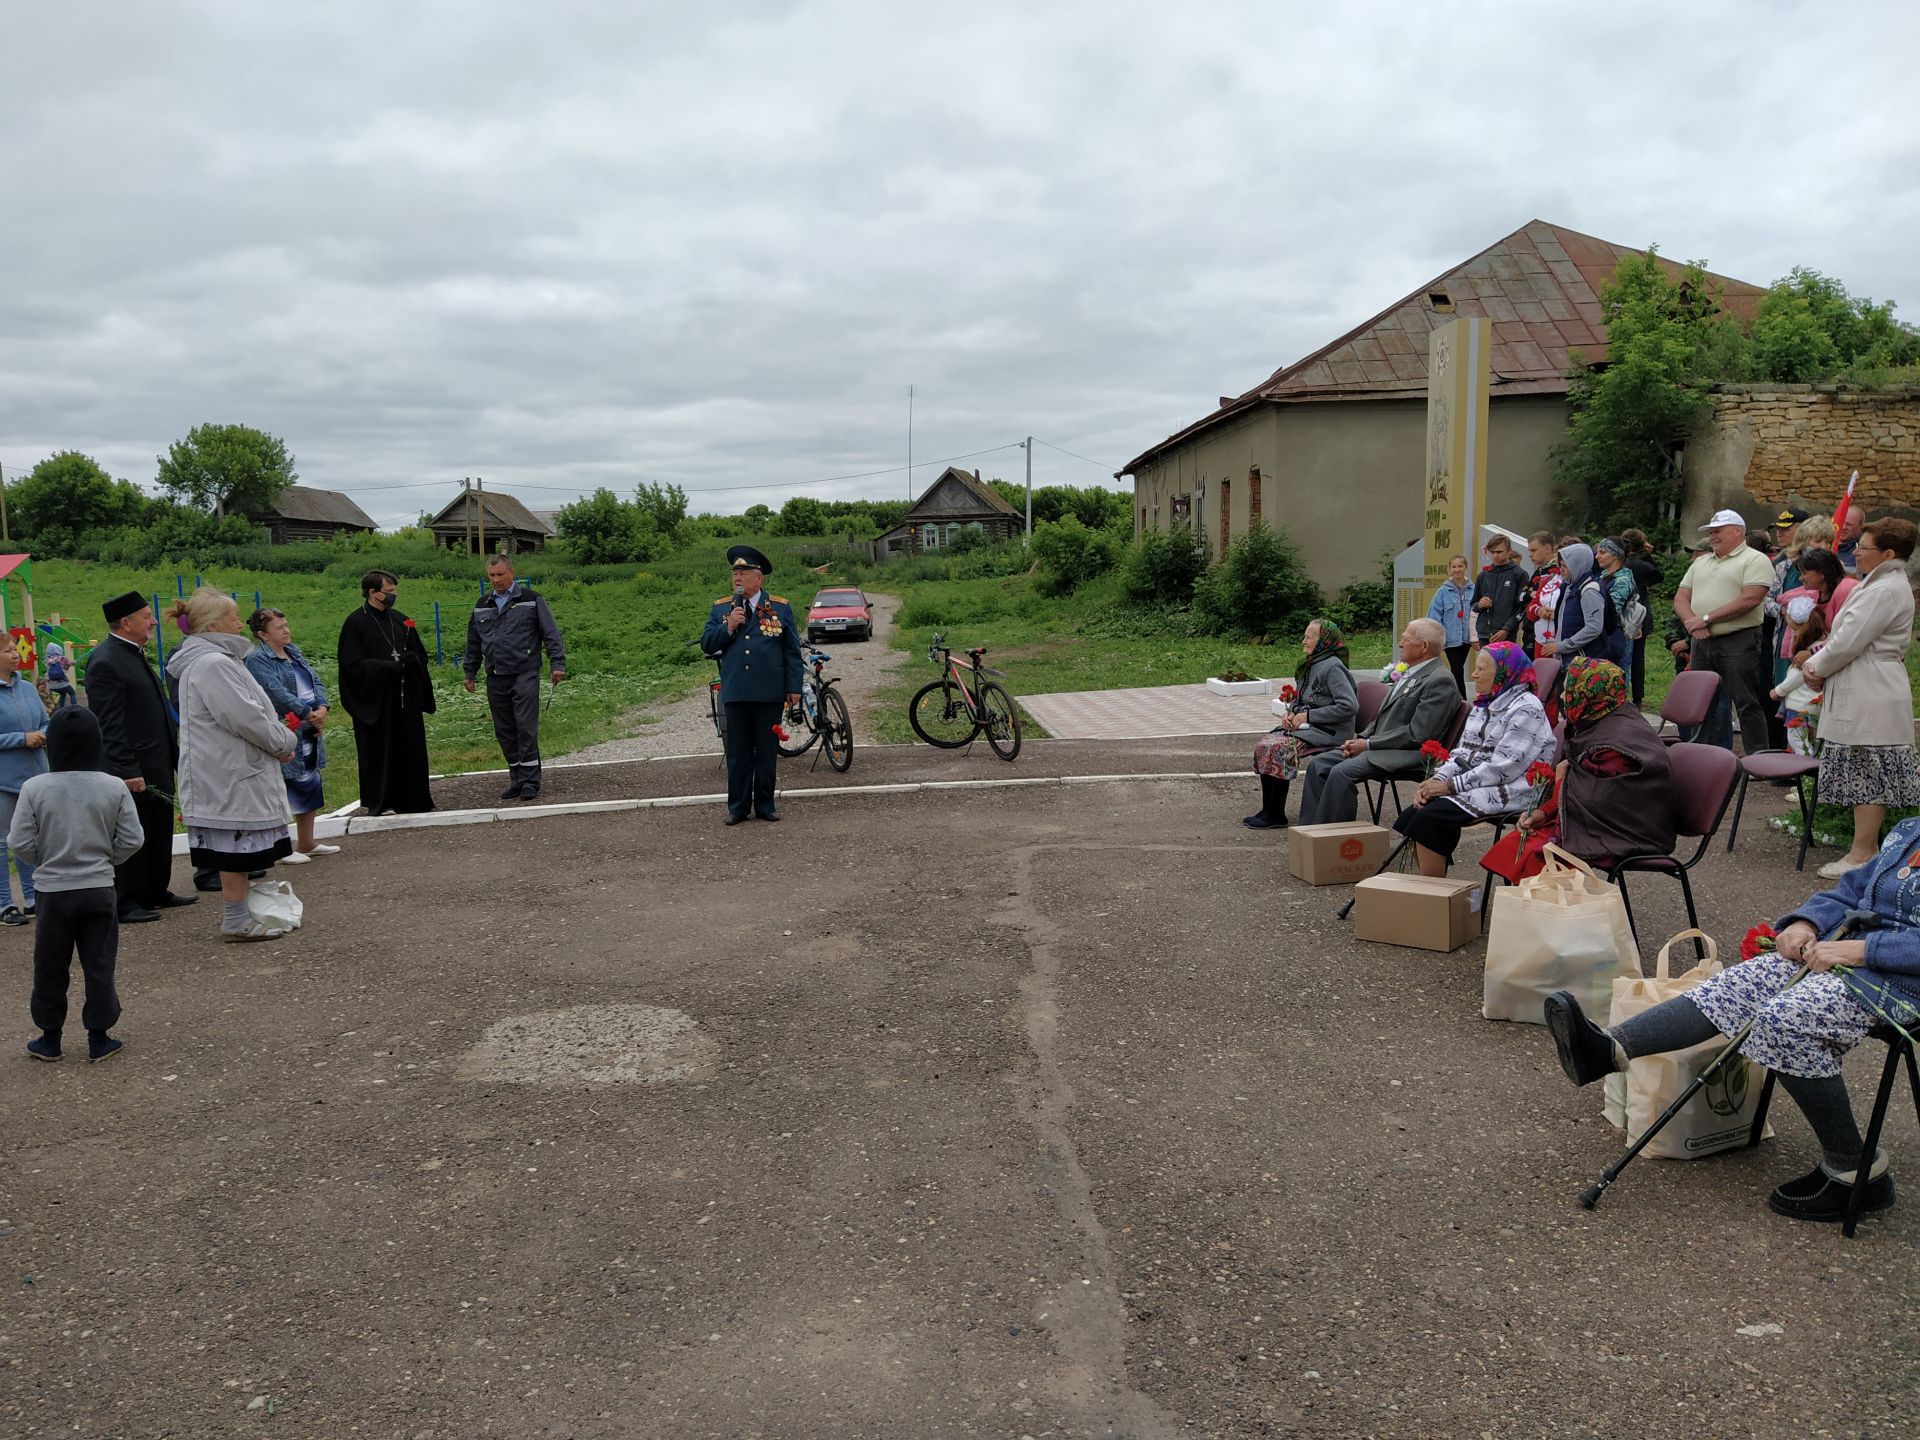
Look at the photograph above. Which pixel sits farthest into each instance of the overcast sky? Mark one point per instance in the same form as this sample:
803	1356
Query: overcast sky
577	244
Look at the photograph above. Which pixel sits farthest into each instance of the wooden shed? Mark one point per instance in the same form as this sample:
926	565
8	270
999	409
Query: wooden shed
305	514
489	522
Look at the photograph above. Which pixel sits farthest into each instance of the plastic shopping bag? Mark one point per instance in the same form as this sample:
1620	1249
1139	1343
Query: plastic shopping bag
273	903
1563	929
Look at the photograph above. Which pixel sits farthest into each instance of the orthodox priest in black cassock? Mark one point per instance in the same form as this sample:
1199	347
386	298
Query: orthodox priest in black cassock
388	690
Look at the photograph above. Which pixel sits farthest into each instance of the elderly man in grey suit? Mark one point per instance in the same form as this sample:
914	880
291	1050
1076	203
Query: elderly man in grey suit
1420	707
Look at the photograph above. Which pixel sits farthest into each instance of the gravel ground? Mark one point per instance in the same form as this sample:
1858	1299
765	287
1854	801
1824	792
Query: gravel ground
1055	1111
683	725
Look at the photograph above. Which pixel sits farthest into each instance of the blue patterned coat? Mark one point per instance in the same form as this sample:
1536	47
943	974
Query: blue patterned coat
1889	886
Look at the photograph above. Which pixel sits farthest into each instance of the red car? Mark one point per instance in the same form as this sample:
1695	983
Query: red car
840	614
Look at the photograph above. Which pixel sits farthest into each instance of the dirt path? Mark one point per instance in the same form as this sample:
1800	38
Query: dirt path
682	725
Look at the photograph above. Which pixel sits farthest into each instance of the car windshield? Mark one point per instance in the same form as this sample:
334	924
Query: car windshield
838	599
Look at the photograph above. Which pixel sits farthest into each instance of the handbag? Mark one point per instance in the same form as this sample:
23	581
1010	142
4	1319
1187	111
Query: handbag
1563	929
273	903
1720	1116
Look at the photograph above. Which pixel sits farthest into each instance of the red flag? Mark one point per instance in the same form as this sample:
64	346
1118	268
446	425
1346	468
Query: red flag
1846	502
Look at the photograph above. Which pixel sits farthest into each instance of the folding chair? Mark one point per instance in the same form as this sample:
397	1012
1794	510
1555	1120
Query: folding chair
1898	1049
1689	702
1546	673
1782	765
1703	781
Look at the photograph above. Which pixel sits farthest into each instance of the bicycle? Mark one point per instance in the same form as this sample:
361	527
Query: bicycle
948	713
821	715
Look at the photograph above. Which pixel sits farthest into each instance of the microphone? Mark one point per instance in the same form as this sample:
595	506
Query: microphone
739	594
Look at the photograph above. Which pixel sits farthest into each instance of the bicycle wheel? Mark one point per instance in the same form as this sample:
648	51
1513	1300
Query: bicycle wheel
836	730
939	715
1003	720
799	739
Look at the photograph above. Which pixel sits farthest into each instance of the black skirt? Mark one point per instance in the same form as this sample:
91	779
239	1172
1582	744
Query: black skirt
1436	825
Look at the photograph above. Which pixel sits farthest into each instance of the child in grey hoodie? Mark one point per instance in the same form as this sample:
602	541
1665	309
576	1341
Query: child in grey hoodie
76	823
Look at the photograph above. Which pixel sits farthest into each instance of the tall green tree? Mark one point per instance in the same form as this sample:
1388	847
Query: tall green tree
1666	339
68	495
663	506
218	468
1809	328
802	515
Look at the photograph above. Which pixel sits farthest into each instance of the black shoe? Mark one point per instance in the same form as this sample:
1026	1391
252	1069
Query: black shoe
1821	1198
733	819
207	882
102	1046
138	915
1261	822
512	792
768	814
1586	1051
530	791
14	915
171	901
44	1047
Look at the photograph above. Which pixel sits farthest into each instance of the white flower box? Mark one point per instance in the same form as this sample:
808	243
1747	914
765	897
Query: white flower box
1239	687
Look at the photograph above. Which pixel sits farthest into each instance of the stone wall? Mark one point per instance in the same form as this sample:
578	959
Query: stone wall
1766	445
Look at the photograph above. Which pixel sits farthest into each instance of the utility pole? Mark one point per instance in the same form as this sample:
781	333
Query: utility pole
480	484
1027	445
909	444
466	512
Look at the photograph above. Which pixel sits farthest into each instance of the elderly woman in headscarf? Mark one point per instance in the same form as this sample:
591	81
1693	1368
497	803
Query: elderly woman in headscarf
1320	714
1485	777
1582	625
1613	786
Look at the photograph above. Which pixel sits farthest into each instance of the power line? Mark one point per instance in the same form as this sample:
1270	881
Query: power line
1109	469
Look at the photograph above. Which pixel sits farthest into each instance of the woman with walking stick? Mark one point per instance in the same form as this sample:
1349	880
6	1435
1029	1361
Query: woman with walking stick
1802	1024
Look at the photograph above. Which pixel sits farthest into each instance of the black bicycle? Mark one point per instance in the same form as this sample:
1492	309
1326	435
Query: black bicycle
821	715
963	703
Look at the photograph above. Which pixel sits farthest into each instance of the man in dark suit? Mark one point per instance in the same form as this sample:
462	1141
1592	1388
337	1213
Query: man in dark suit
142	743
1421	706
753	636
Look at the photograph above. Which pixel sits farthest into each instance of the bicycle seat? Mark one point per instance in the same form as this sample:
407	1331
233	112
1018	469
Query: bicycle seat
978	650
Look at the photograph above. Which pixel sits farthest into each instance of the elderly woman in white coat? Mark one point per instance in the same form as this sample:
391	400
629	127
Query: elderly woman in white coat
1867	758
1486	775
232	745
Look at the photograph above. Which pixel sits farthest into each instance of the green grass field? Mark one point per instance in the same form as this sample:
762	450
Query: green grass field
626	633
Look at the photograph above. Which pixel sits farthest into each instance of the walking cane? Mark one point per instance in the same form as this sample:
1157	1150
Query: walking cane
1850	922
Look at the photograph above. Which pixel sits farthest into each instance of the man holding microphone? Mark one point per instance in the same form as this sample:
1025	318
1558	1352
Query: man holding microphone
753	636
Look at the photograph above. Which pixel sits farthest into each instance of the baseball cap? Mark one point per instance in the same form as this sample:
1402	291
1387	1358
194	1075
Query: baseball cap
1724	517
1789	517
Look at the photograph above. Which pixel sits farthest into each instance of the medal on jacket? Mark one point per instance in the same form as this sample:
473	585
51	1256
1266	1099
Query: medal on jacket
769	622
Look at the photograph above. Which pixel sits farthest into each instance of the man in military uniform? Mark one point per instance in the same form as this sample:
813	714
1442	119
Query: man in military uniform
507	629
753	636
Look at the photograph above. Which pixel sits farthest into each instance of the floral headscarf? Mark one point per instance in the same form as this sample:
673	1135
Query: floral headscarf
1332	645
1592	689
1511	667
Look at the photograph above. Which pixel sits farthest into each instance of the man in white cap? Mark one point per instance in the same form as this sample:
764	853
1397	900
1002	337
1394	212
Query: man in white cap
1721	602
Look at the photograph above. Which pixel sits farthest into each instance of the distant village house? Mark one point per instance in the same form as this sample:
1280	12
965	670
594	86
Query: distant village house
305	514
489	522
959	501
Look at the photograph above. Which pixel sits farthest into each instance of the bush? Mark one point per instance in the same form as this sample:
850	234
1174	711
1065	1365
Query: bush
1070	554
1163	566
1366	604
1259	589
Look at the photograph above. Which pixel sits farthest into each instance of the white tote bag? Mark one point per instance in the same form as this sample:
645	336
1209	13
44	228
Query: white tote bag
273	903
1563	929
1720	1115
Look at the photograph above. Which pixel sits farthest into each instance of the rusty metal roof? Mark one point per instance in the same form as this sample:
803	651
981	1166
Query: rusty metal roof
1540	286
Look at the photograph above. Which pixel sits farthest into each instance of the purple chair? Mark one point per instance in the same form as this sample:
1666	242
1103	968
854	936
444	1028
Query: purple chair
1704	777
1782	765
1372	695
1546	674
1377	789
1690	700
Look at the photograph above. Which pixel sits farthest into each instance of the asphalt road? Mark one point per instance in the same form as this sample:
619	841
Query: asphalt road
1057	1111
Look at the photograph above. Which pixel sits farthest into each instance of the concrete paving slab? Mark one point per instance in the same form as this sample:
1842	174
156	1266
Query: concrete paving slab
1152	712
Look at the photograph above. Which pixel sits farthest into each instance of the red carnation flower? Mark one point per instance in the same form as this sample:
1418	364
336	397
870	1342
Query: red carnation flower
408	625
1433	750
293	721
780	733
1757	941
1539	773
1289	694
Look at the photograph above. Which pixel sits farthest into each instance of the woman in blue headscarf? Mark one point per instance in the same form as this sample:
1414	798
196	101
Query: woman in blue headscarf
1506	732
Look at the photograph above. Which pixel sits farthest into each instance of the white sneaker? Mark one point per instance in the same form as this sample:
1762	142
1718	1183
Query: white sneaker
319	849
295	858
1835	869
252	930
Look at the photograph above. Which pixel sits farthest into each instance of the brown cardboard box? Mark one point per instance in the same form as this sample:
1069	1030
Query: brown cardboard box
1414	910
1336	854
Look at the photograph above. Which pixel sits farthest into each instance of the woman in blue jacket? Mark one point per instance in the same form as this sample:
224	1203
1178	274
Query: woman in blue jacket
1801	1031
23	754
293	689
1452	607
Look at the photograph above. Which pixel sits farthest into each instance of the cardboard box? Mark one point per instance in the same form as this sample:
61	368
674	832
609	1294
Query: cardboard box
1337	854
1414	910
